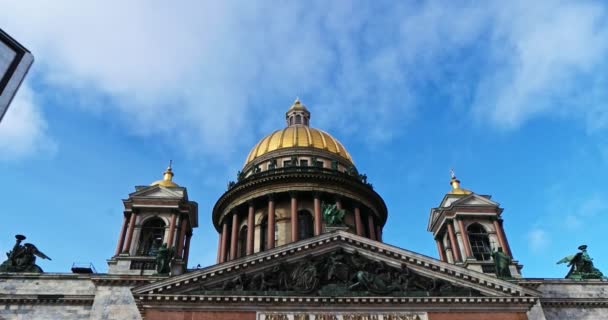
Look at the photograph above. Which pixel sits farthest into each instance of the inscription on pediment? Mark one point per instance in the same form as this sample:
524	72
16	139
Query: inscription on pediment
343	316
337	273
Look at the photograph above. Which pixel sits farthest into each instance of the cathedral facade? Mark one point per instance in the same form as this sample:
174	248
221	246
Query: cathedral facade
300	238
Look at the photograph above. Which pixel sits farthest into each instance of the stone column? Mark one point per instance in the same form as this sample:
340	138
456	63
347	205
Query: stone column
294	217
250	228
171	230
128	241
358	224
219	247
502	239
339	203
234	235
187	248
370	226
455	248
441	250
318	219
379	233
182	236
121	237
271	223
224	242
465	239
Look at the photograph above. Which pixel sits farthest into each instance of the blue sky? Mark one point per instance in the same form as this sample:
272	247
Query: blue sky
511	95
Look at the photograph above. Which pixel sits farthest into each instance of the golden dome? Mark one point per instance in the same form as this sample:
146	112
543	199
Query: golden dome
167	180
298	136
456	189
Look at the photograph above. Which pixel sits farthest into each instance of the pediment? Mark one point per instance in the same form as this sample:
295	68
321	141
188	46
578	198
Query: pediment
157	192
335	264
469	200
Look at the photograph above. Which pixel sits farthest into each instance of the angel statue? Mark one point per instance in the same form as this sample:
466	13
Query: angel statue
581	265
332	215
22	258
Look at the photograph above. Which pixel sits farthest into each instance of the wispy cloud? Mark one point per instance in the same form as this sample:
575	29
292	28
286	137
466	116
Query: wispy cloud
538	239
23	130
203	74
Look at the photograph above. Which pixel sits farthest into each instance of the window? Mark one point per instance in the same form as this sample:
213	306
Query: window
263	233
303	163
305	226
243	242
152	235
480	242
319	164
298	119
286	163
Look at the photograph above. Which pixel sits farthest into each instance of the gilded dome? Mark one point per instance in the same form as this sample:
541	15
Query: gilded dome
456	189
167	180
298	134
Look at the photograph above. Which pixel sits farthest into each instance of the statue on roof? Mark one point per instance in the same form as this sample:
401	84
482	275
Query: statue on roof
332	215
22	258
164	256
581	265
501	264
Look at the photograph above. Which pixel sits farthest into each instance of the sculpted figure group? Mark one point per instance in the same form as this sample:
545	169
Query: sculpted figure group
22	258
338	272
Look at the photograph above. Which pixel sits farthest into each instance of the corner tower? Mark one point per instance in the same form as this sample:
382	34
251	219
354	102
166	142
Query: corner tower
468	230
280	193
155	216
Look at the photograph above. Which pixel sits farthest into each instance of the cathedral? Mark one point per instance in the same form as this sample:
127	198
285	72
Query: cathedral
300	238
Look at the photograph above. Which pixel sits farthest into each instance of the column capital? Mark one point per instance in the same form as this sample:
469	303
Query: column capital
316	194
271	196
294	194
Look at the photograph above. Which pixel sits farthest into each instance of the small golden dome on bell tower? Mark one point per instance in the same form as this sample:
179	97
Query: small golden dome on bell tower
455	183
167	180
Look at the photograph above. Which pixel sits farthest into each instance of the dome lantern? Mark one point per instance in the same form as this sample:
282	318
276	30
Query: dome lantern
297	114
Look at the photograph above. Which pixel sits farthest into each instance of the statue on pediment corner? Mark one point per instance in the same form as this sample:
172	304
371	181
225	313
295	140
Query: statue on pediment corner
22	258
581	266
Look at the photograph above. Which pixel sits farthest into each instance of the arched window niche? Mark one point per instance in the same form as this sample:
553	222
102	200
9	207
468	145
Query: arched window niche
242	246
305	225
151	238
480	242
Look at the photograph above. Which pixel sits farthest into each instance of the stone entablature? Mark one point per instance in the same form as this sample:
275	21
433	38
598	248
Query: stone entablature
68	296
569	298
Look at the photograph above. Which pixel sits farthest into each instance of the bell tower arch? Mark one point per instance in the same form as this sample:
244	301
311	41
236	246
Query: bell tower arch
468	230
156	217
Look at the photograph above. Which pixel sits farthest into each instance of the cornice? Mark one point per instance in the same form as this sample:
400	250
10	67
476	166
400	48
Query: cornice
574	302
46	299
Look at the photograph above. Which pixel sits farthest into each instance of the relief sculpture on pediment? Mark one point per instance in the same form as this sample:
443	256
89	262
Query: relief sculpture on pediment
336	273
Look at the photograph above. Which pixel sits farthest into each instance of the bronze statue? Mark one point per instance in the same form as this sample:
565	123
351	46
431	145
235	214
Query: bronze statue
501	264
22	258
332	215
581	265
163	259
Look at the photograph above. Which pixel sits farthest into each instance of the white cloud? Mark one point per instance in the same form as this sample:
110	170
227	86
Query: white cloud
538	239
199	72
23	130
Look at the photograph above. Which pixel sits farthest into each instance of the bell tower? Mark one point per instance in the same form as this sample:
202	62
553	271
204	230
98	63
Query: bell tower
468	230
158	217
